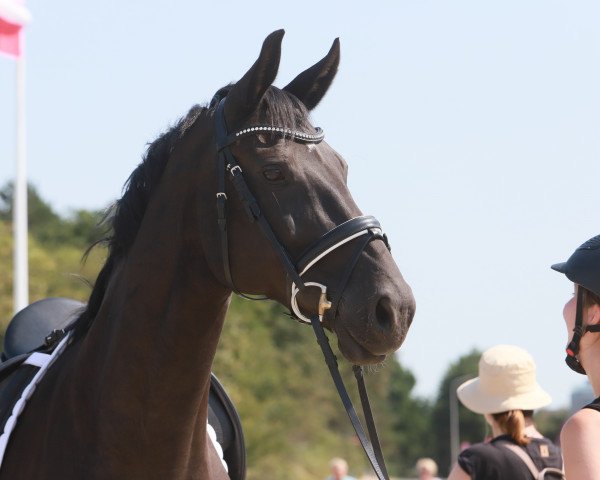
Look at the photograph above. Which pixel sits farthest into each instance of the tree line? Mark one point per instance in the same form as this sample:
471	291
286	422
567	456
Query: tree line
270	365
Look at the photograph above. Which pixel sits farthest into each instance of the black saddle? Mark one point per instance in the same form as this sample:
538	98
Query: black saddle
29	327
28	330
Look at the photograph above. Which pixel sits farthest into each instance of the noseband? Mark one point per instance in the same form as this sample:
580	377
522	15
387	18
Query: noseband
365	228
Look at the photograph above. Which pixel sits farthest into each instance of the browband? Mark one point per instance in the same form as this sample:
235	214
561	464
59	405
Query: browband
287	132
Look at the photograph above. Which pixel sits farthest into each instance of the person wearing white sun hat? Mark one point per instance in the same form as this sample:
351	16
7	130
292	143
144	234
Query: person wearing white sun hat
506	393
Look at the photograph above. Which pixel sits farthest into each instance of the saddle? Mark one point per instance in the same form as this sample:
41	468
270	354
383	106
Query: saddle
27	332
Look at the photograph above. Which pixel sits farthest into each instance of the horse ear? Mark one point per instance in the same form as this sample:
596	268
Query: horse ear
312	84
245	95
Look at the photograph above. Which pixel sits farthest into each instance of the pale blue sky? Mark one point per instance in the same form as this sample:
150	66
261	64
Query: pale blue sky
471	130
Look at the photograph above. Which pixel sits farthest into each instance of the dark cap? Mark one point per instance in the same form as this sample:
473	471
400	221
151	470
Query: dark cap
583	267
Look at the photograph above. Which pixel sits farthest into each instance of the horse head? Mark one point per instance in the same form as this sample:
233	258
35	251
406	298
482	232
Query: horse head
242	195
296	184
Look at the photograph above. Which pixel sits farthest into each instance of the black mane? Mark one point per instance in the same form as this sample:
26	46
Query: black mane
125	216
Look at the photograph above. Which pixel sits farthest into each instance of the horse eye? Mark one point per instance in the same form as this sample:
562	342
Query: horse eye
273	174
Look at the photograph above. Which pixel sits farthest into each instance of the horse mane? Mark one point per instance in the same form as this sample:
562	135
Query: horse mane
124	217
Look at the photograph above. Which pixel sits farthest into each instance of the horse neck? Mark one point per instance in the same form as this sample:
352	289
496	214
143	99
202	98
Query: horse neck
155	336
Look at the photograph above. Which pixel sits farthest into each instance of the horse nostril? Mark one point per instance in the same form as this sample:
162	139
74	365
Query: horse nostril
384	313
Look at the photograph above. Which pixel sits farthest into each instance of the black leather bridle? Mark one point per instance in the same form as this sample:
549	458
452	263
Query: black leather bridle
365	228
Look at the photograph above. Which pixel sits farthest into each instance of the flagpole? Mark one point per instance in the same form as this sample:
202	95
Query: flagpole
20	252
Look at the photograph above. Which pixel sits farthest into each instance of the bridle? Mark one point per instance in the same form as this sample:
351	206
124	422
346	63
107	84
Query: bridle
365	228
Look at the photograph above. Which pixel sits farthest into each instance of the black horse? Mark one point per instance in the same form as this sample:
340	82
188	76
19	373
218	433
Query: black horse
240	195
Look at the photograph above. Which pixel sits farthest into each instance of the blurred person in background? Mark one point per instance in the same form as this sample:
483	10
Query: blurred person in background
427	469
339	470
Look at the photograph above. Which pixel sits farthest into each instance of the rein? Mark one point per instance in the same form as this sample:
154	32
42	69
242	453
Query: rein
367	228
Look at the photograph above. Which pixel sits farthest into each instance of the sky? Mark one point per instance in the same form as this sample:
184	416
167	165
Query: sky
471	130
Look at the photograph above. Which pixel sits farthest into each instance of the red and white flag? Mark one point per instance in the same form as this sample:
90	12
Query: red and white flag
13	17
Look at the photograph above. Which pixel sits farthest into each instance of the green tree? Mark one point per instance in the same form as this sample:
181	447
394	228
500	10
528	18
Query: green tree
43	222
58	271
80	228
6	278
550	422
55	249
472	425
409	430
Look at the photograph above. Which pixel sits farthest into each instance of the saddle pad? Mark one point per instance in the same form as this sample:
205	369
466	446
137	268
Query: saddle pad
223	417
213	438
25	380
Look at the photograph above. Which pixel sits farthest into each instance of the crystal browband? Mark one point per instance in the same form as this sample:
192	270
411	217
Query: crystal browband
316	137
295	134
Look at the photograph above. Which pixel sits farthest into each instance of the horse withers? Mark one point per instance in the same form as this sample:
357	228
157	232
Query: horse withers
241	195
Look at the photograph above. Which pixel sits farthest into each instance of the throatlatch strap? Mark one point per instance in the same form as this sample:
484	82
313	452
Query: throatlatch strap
222	218
376	460
220	131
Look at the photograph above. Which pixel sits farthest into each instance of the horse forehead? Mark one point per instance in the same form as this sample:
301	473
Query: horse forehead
326	157
320	151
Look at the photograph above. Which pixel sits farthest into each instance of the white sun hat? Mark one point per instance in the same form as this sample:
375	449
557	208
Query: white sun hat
506	382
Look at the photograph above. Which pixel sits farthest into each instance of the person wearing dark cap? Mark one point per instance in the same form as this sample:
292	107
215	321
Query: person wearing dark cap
580	435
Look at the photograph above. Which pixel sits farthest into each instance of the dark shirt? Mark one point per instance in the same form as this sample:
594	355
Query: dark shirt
595	405
490	461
